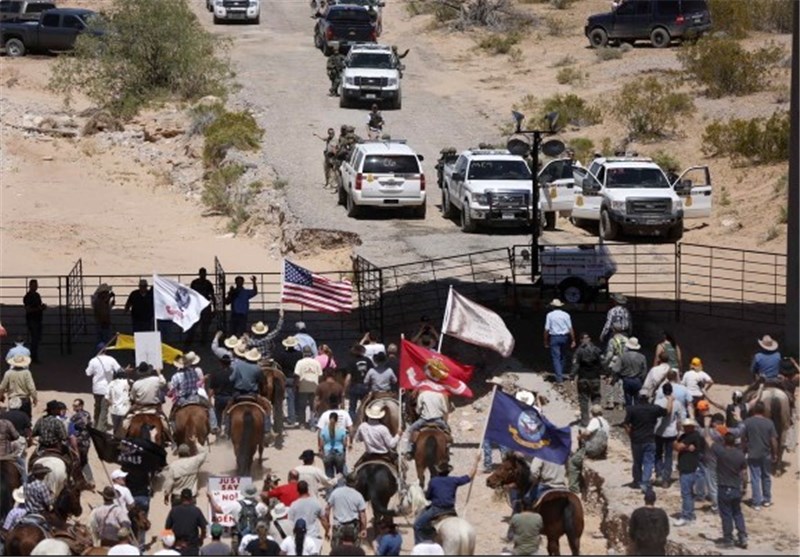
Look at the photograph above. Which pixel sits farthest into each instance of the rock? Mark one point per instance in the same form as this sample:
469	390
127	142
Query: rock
32	120
101	121
208	100
47	158
730	224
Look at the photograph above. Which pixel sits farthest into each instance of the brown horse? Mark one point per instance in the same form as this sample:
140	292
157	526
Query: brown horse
10	479
154	424
247	435
273	388
431	448
191	422
561	511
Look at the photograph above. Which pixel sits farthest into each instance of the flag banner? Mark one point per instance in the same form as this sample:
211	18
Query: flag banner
422	369
475	324
301	286
127	342
106	445
129	452
177	303
520	427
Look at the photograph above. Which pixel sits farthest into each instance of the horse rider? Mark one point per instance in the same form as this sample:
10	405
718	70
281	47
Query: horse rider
38	496
377	438
441	493
51	431
432	408
375	123
262	338
247	378
334	66
545	476
146	393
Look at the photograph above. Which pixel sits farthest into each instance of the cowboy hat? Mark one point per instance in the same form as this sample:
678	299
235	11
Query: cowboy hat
279	511
108	493
632	344
768	343
689	422
253	355
556	303
621	299
260	328
20	360
231	342
191	358
525	397
104	287
250	491
53	406
240	349
290	342
18	495
375	412
443	468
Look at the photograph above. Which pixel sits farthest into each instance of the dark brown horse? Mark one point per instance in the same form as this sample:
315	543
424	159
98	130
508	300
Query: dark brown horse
154	424
191	423
23	537
273	388
562	511
10	479
431	448
247	435
139	521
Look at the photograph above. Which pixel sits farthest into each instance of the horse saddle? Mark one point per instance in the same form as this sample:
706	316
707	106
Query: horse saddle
245	400
137	409
446	514
38	521
436	427
386	459
550	494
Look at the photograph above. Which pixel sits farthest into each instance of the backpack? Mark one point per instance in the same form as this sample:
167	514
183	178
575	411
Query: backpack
248	517
375	121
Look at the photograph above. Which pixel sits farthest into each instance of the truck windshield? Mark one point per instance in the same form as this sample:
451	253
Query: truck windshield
371	60
498	170
636	178
391	164
356	14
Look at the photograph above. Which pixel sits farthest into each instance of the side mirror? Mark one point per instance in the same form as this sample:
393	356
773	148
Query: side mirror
421	158
684	186
458	176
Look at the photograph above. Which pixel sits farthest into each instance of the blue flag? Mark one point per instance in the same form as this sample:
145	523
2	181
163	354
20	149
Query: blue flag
520	427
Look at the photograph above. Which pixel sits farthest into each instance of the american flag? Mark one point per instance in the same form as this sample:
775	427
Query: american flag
314	291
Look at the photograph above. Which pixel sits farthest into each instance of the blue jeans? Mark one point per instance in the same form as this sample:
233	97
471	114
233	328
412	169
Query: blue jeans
424	519
291	413
355	396
711	483
687	495
630	389
220	402
334	463
730	511
760	478
644	459
664	457
487	453
558	353
417	425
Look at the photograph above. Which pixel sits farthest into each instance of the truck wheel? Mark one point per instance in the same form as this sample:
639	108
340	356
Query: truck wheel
609	230
343	102
598	38
467	224
317	41
217	20
398	102
257	20
340	190
574	291
326	50
419	212
550	220
15	47
352	209
676	232
447	207
660	37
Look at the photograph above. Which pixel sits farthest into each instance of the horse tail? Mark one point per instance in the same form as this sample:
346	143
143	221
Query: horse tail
572	519
776	413
430	454
242	453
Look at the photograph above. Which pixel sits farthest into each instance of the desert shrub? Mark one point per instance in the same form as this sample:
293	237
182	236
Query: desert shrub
572	110
230	130
217	190
726	68
666	161
738	17
730	16
152	50
556	26
783	214
561	4
772	15
570	75
564	61
498	43
583	147
651	109
759	140
608	53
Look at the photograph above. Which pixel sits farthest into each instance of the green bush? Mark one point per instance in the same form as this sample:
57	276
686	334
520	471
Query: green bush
499	43
153	50
217	188
556	27
738	17
760	140
230	130
608	53
725	68
570	75
666	161
572	110
772	15
583	147
651	109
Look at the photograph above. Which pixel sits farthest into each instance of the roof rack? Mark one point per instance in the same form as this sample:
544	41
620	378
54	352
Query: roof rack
628	159
489	151
385	140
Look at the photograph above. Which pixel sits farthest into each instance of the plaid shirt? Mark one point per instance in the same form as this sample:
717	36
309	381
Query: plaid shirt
51	432
265	343
14	516
38	497
8	433
184	385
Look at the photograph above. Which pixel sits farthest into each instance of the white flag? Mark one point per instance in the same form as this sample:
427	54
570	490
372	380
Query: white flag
475	324
177	303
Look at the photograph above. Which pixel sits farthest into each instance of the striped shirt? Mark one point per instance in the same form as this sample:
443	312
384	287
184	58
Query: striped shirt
38	497
14	516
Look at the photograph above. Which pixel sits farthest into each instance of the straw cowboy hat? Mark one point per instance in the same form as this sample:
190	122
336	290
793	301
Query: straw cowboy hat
621	299
526	397
689	422
375	412
231	342
18	495
104	287
20	360
633	344
768	343
279	511
556	303
240	349
290	342
253	355
191	359
260	328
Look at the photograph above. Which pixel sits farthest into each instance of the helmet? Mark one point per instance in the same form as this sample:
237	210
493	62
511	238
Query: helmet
703	406
737	397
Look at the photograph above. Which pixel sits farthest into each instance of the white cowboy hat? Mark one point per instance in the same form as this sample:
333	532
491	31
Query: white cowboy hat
240	349
231	342
689	422
20	360
18	495
768	343
556	303
260	328
253	355
633	344
621	299
526	397
289	342
279	511
375	412
104	287
191	358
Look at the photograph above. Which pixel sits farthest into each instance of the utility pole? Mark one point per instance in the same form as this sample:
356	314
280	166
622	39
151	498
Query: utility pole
793	229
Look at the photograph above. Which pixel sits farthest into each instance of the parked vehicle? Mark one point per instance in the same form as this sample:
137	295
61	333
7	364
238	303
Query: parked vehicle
23	9
344	25
374	7
235	10
578	273
557	189
657	21
55	31
371	73
382	174
634	195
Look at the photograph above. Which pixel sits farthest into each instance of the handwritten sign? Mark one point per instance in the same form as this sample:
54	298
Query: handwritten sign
148	348
226	491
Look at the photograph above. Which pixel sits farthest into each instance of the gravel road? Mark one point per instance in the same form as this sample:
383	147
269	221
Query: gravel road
284	82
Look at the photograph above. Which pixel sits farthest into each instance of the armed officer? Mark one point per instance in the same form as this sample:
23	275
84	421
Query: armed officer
335	66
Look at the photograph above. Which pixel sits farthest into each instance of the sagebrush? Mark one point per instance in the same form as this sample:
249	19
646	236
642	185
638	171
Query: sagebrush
758	140
738	17
230	130
650	108
572	111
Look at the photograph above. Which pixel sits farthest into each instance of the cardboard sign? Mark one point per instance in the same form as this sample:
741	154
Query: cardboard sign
226	490
148	348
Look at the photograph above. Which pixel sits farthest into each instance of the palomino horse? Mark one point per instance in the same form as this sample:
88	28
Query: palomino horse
23	537
154	424
191	422
10	479
562	511
777	409
247	434
431	449
457	536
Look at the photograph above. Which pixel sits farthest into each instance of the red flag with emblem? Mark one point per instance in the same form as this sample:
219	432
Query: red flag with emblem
425	370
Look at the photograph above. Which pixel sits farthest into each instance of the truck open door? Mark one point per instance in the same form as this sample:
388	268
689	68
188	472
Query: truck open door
693	186
587	197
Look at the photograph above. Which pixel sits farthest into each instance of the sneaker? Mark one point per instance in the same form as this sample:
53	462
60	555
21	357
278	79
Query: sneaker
681	522
766	504
723	543
742	544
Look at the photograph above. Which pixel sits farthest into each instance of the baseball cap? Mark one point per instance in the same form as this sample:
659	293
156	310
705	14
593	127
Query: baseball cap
118	474
217	529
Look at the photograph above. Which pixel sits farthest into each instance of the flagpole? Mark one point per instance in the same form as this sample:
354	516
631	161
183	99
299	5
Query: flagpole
463	513
155	319
446	318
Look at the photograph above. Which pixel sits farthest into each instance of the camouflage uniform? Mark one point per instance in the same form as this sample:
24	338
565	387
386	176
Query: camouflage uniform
335	66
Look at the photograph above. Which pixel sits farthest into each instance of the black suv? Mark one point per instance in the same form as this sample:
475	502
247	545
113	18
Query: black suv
659	21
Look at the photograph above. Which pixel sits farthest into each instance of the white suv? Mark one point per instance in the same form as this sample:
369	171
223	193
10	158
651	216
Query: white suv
382	174
371	73
235	10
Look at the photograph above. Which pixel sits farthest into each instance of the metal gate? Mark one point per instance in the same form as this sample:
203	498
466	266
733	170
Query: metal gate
369	286
219	294
75	314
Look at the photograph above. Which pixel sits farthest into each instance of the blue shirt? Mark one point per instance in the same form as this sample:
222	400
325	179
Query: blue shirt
767	364
245	376
337	443
303	340
679	393
390	544
241	300
442	490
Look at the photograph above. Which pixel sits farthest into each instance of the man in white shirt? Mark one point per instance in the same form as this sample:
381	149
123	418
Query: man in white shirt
119	400
593	443
308	371
376	437
122	547
432	408
371	346
124	496
101	369
558	335
697	381
313	476
656	376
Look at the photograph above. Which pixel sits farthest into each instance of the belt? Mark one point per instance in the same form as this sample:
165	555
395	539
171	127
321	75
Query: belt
354	521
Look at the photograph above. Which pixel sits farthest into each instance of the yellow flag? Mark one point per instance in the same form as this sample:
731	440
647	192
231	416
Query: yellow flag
126	342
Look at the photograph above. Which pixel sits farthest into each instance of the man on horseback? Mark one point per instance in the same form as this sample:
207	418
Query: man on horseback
432	408
262	338
545	476
53	435
375	435
38	497
146	396
185	387
247	378
441	493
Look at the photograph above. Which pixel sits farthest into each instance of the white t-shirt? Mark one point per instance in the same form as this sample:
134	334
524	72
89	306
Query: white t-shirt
309	546
344	419
124	496
314	477
124	549
691	380
427	548
166	552
119	397
101	369
596	423
375	348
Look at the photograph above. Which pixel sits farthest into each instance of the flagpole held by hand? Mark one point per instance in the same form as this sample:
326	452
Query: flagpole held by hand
480	449
445	319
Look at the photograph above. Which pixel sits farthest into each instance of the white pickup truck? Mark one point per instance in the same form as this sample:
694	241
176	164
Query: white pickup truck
634	195
371	73
492	186
235	10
